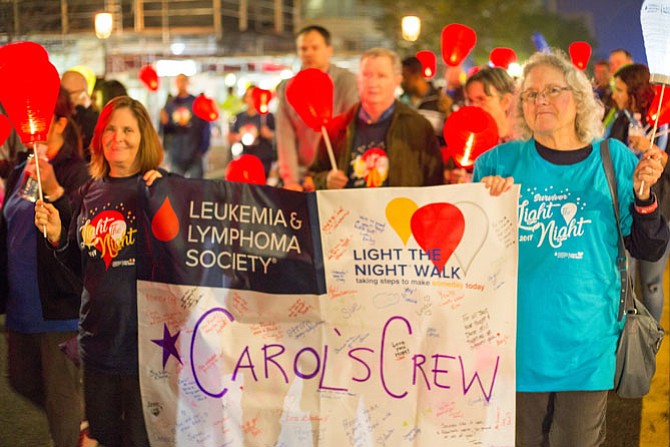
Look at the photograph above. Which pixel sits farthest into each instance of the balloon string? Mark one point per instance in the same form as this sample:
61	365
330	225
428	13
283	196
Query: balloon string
39	183
653	131
329	148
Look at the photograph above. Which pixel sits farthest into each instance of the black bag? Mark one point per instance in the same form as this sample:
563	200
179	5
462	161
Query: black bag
641	337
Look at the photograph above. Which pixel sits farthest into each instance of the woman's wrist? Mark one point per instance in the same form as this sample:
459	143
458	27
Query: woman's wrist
647	206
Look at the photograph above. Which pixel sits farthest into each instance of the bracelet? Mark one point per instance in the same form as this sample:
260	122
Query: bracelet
647	209
56	195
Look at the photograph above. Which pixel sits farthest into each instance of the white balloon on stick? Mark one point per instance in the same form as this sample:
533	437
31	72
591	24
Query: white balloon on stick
655	22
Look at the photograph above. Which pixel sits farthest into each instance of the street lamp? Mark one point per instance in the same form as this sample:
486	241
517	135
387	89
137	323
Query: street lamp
411	28
103	30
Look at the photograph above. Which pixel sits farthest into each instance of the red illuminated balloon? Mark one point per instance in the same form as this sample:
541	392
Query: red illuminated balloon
5	129
502	57
457	42
22	53
428	63
653	113
205	108
30	91
261	99
310	93
469	132
580	53
246	169
149	77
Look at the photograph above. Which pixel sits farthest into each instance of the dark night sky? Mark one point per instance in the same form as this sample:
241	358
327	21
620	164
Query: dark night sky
617	24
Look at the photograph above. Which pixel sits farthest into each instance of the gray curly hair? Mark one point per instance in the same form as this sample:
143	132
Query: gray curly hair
588	121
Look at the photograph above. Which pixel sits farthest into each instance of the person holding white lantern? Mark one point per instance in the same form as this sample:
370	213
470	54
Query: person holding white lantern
569	281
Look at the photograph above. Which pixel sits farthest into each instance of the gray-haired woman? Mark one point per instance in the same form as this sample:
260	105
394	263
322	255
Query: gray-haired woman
568	292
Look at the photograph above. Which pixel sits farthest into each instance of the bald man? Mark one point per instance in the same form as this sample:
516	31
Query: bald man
85	115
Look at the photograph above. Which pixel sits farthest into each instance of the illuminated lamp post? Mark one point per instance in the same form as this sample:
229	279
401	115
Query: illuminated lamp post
103	30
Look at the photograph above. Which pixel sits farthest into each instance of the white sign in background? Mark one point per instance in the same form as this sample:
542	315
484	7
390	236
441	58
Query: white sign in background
409	346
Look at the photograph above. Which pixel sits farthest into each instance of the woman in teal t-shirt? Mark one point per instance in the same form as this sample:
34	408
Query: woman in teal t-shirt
567	328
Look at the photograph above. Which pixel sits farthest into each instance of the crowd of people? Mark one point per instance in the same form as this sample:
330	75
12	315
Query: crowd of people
551	122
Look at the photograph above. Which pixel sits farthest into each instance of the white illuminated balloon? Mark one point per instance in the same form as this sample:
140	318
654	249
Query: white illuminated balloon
655	22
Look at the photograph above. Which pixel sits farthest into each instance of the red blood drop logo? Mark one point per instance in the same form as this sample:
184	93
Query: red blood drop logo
165	224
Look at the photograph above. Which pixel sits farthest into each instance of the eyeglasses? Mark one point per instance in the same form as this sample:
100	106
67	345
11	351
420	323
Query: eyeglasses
549	93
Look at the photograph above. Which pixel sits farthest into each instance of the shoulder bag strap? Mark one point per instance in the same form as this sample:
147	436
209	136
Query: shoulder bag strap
625	300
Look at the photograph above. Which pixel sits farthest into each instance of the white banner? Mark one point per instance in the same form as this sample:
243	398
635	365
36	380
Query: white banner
413	343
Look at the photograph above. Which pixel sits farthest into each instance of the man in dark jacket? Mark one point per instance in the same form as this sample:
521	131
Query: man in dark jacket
186	135
421	95
385	142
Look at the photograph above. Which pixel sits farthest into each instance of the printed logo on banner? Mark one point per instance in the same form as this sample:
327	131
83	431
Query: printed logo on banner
222	234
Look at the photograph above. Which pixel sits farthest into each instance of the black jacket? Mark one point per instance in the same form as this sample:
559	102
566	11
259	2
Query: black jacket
60	290
410	144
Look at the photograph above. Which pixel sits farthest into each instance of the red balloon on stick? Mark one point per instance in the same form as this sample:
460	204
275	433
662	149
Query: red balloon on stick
502	57
310	93
261	98
580	53
246	169
469	132
205	108
428	63
30	90
457	42
5	129
149	77
22	53
662	116
29	98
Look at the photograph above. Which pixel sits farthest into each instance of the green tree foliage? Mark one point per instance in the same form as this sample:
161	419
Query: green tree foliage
498	23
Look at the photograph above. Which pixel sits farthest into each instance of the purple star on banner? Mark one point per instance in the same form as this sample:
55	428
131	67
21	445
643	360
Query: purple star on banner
168	343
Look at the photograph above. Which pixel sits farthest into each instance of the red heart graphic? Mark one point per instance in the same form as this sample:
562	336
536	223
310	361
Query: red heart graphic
438	229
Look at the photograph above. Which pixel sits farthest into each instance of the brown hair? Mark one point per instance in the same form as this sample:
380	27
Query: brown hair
640	91
150	151
495	77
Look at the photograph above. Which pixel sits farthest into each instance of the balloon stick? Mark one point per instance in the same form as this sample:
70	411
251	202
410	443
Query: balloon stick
39	183
467	151
653	131
331	155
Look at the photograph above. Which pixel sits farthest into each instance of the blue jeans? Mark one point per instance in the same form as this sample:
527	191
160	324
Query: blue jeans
650	275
